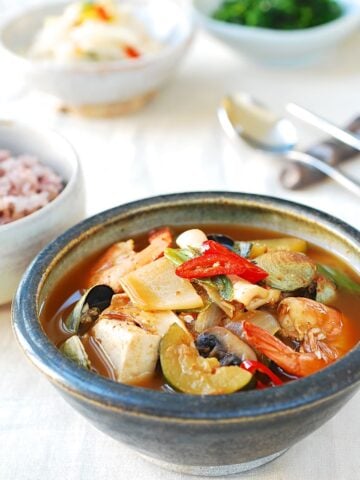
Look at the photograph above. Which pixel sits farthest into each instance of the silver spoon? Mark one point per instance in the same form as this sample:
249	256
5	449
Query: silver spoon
242	117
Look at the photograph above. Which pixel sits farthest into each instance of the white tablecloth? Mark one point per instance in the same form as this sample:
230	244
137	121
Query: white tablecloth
175	144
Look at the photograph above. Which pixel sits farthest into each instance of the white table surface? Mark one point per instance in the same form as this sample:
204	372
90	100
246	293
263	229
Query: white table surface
173	145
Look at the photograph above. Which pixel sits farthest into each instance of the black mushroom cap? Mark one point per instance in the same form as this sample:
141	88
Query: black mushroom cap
208	345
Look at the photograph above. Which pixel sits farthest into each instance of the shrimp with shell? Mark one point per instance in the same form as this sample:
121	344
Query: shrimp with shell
317	327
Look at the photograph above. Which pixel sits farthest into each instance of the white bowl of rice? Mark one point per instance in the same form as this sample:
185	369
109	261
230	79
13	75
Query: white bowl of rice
100	58
41	195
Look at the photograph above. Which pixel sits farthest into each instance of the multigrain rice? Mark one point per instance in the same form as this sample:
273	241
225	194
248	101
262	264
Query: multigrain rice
26	185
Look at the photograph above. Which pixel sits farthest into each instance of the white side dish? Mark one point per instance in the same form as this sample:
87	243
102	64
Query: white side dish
99	31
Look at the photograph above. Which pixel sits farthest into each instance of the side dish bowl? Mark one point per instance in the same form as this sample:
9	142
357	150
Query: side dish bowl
280	47
209	435
100	88
22	239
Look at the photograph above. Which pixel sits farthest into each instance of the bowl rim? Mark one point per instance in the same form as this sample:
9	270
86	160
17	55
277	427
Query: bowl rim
69	185
91	66
351	14
106	394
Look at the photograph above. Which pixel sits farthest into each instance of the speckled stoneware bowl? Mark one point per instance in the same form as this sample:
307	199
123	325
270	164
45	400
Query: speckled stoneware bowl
210	435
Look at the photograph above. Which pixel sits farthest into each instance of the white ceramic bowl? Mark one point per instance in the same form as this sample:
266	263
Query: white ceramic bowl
280	47
22	239
101	88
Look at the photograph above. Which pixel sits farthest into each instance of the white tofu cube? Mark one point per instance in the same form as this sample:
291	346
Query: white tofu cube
132	350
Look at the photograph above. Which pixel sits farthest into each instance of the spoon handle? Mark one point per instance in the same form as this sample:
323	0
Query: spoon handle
339	177
324	125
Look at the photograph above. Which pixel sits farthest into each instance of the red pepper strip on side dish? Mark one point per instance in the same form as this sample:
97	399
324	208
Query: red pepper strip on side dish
254	366
131	52
102	13
218	260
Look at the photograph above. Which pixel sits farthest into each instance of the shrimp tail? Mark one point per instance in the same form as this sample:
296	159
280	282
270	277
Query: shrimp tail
295	363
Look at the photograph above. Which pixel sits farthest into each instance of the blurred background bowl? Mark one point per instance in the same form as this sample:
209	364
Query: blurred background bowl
280	47
22	239
101	88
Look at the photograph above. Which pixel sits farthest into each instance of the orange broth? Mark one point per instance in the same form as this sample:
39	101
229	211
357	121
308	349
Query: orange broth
62	299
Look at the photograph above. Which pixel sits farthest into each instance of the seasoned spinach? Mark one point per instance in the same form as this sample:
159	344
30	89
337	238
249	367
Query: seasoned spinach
279	14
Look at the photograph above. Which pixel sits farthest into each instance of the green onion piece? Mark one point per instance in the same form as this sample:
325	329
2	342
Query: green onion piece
221	283
178	255
224	286
339	278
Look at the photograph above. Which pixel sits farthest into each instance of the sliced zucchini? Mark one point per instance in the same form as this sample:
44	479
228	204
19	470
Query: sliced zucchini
188	372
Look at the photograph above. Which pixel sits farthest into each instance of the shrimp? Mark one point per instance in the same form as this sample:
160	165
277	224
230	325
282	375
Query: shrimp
121	259
315	325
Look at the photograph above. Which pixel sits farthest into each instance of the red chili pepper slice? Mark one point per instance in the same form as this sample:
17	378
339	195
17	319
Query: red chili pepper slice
102	13
131	52
210	246
253	273
254	366
208	266
218	260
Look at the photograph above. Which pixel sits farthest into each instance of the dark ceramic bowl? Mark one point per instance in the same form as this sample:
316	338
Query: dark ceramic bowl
210	435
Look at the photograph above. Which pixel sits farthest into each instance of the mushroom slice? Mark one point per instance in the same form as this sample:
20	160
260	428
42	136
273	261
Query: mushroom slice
225	345
89	307
287	271
74	350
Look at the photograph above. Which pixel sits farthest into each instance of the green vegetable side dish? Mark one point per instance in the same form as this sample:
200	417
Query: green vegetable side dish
279	14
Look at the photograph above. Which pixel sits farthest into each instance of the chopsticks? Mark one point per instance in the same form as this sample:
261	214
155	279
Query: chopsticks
324	125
